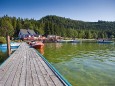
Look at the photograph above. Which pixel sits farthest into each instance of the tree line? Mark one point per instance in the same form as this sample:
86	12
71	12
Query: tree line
56	25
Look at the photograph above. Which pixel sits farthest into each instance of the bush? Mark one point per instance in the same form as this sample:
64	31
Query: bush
2	40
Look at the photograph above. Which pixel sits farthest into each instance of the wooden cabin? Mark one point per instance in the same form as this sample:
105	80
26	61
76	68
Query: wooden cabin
26	33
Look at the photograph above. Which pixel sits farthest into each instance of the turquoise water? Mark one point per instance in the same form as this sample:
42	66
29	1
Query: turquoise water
3	52
86	64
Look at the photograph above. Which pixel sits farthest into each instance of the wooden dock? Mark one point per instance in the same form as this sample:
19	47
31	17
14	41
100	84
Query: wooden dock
26	68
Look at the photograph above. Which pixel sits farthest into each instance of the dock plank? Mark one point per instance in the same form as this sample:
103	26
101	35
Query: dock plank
34	73
12	75
23	72
40	74
29	73
26	68
17	75
9	71
4	68
19	70
45	74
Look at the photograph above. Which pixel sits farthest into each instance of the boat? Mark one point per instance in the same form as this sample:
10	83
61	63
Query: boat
75	41
12	45
37	45
104	41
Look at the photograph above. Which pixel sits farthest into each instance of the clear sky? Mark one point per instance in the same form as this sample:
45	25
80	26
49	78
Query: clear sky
85	10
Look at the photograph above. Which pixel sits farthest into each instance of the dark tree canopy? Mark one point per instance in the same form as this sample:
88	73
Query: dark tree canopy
58	26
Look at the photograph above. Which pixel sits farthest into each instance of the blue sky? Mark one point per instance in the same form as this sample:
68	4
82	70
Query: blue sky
85	10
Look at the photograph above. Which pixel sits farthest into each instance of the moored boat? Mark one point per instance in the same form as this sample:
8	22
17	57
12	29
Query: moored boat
104	41
37	45
12	45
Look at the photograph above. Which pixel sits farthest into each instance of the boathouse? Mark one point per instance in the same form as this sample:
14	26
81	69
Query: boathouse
24	33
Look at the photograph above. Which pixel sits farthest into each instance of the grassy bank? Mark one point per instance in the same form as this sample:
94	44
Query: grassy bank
2	40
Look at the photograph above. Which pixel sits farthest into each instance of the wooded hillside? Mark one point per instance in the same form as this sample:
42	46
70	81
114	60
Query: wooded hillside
58	26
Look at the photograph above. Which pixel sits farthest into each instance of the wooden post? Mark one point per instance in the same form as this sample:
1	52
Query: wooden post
8	45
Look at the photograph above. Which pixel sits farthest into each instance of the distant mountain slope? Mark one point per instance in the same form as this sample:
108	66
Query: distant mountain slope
77	24
56	25
100	29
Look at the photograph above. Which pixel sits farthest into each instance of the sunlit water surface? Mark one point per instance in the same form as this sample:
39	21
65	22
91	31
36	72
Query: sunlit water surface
86	64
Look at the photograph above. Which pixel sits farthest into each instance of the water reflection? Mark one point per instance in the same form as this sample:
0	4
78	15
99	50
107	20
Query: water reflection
54	45
58	45
41	50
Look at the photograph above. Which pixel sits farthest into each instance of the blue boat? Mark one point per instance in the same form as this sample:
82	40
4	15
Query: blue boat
104	41
14	45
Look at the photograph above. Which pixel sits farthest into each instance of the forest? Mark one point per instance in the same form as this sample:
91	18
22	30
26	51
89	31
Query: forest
55	25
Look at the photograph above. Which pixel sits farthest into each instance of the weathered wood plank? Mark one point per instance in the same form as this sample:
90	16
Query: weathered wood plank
23	73
48	70
45	73
26	68
56	81
34	73
29	73
18	73
8	61
4	68
12	75
9	70
19	70
42	81
4	79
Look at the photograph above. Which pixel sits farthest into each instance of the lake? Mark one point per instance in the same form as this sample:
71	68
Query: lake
3	52
83	64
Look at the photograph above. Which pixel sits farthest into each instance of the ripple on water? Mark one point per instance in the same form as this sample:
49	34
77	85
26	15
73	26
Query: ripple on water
86	64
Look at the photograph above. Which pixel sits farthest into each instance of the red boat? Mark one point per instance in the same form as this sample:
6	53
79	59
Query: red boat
37	45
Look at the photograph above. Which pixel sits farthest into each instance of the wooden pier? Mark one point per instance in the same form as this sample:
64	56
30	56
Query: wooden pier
26	68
